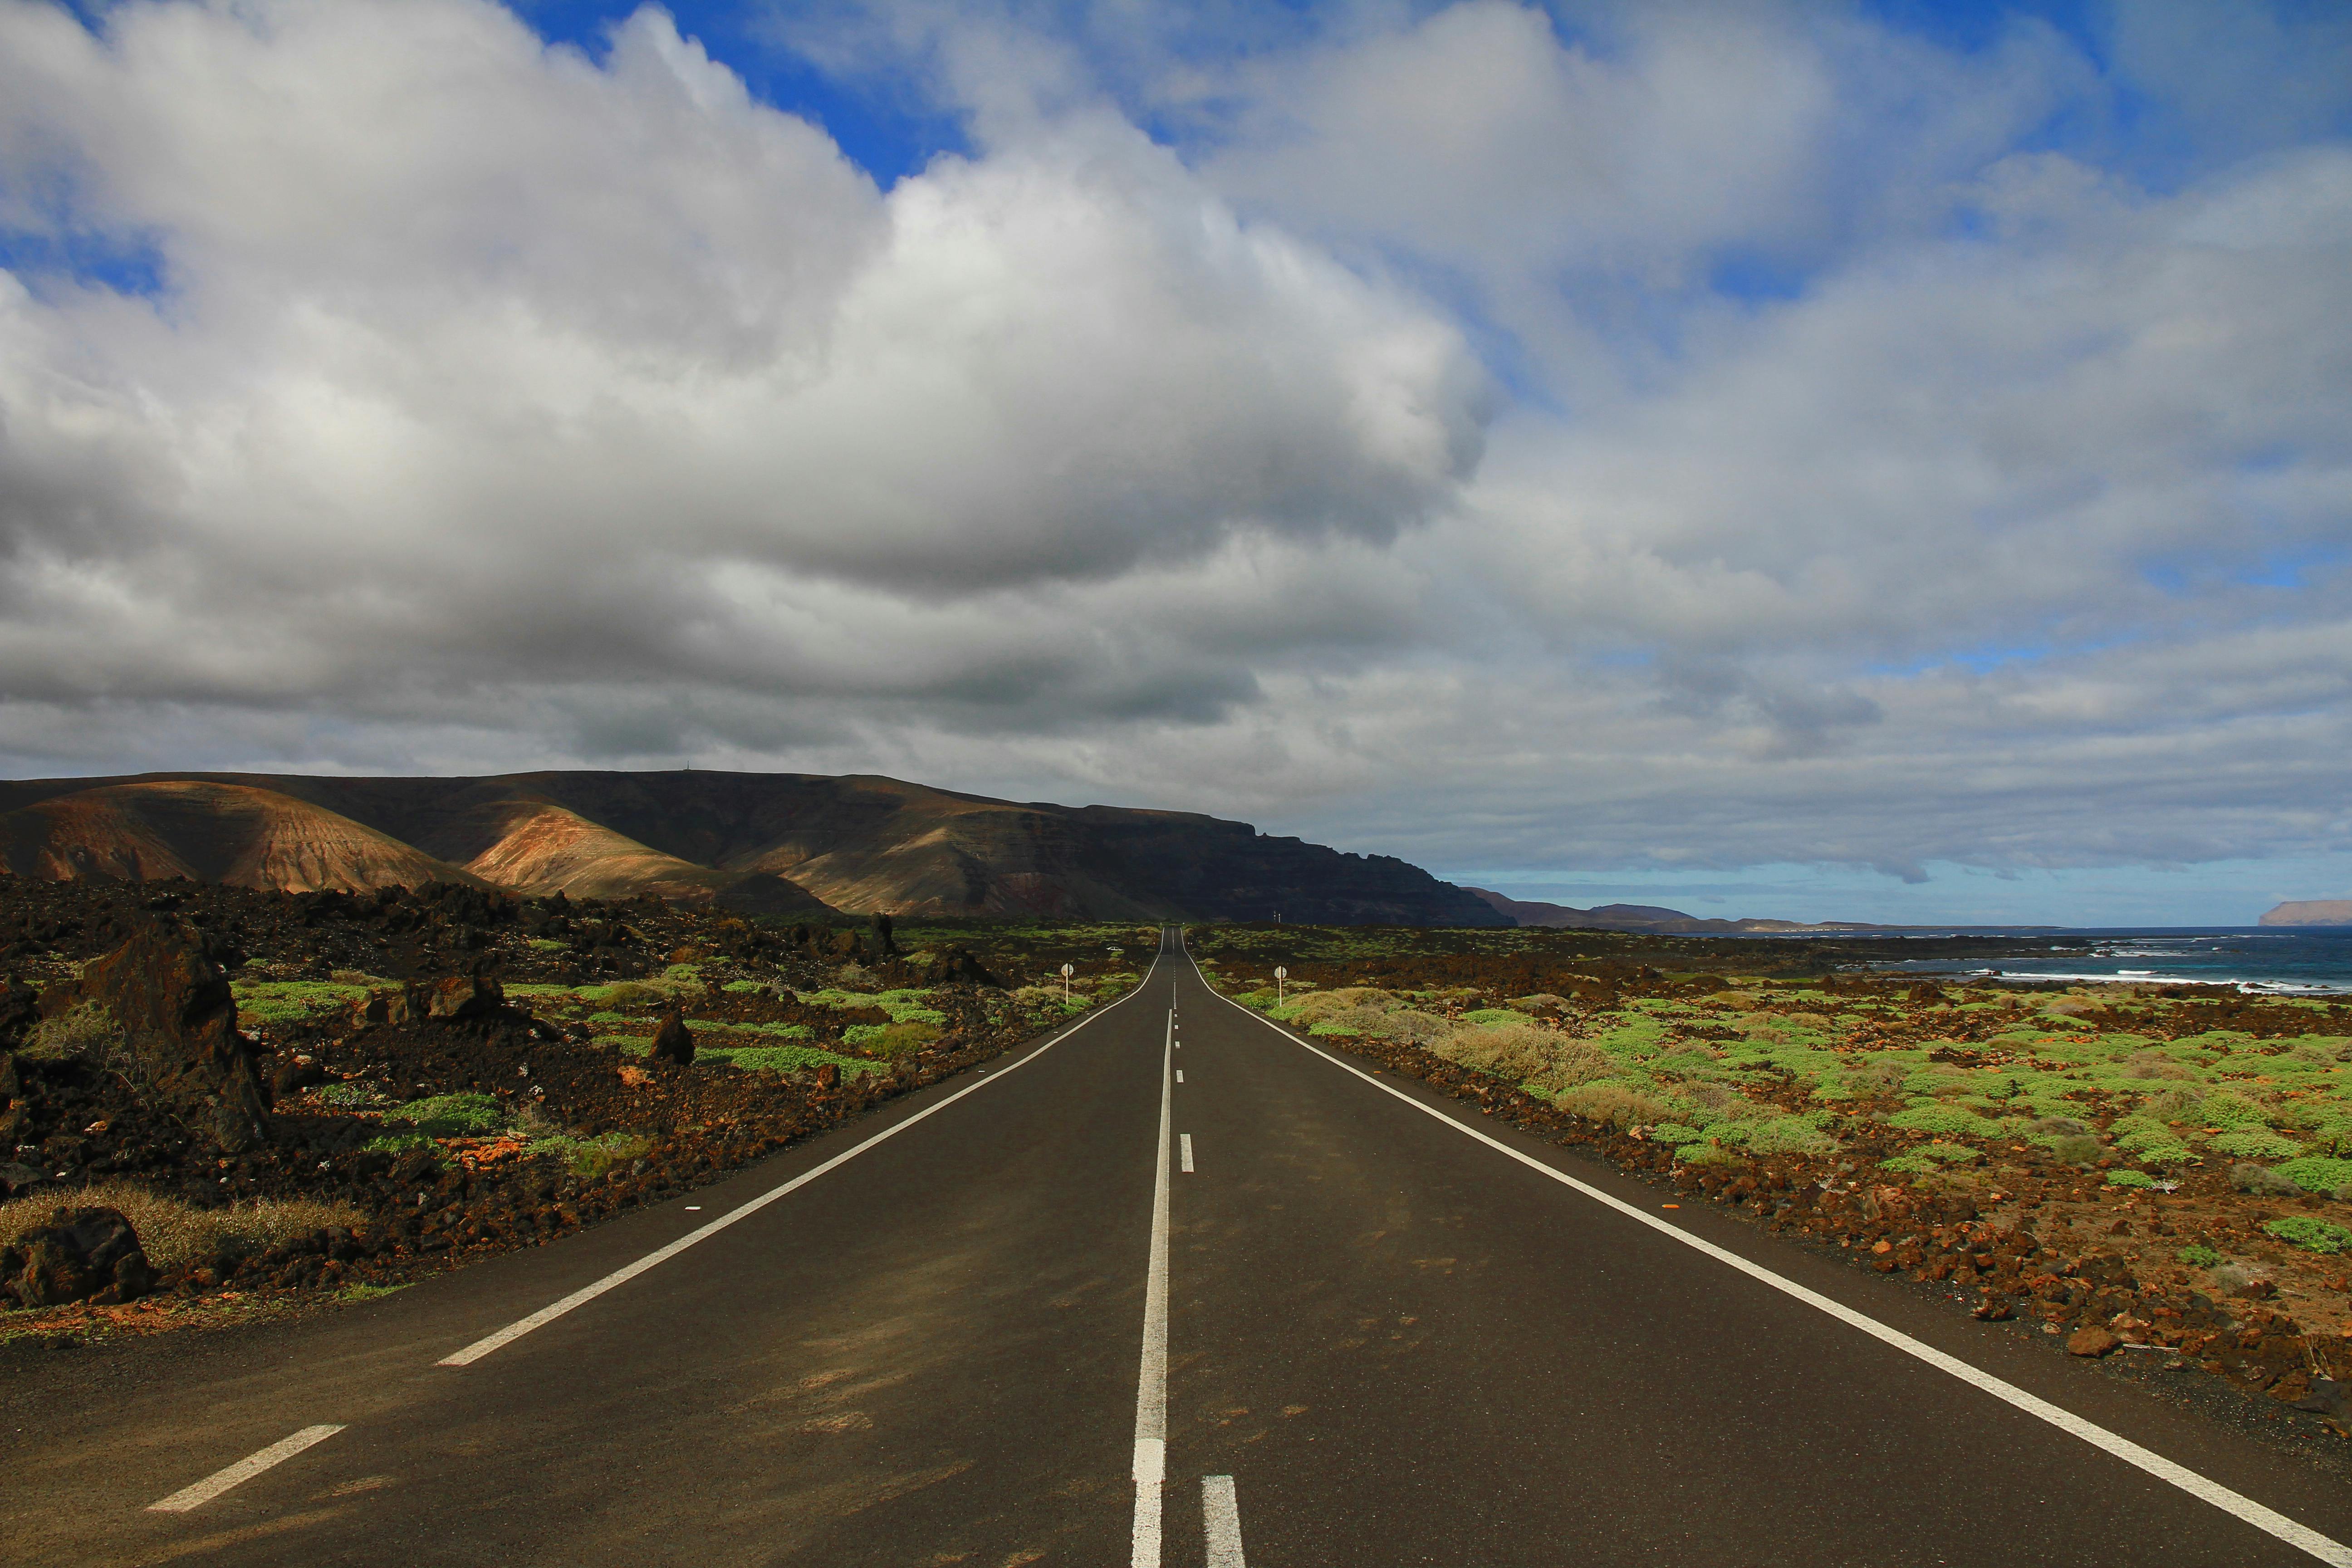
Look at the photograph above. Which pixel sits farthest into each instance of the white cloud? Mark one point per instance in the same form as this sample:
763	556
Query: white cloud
482	356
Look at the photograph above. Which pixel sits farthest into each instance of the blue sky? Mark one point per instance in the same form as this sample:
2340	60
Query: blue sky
1878	460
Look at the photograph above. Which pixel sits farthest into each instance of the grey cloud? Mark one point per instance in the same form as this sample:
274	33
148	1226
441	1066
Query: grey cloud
605	416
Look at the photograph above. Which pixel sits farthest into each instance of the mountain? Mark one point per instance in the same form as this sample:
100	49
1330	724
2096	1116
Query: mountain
2311	912
212	832
764	841
1640	918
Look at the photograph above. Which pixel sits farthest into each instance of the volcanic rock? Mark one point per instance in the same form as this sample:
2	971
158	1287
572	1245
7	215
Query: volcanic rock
20	1010
957	965
2091	1341
673	1042
465	996
171	999
83	1254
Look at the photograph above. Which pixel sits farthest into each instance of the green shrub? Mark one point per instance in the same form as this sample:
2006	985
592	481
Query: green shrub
593	1157
2133	1133
1708	1152
786	1058
1944	1120
2312	1235
2130	1179
891	1039
2233	1113
401	1143
2258	1143
1789	1135
1676	1133
2198	1256
291	1001
2332	1135
355	1095
2315	1172
453	1115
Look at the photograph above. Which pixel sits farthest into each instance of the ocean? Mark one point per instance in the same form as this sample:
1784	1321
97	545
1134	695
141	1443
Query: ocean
2278	960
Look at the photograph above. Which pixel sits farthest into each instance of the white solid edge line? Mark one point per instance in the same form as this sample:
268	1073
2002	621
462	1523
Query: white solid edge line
1184	1142
586	1293
2325	1548
1151	1380
1220	1511
245	1469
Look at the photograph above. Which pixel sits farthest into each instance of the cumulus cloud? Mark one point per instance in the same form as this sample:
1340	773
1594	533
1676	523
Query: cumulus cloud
1605	436
483	357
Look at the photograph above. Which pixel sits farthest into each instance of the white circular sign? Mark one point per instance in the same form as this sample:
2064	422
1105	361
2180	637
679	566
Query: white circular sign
1067	971
1280	973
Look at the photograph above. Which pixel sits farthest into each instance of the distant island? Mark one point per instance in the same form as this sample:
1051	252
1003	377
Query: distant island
2311	912
1648	918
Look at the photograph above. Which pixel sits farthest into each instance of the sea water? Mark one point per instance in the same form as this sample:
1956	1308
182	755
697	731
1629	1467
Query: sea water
2278	960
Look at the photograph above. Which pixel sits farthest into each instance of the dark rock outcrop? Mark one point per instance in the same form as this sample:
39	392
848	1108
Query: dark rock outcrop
19	1011
673	1042
957	966
465	996
170	996
85	1254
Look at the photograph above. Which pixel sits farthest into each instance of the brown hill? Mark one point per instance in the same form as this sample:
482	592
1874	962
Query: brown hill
212	832
544	849
862	843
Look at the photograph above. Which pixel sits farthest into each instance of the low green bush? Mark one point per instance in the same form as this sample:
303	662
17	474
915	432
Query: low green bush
453	1115
2316	1172
2257	1144
2198	1256
2130	1179
2311	1234
1943	1120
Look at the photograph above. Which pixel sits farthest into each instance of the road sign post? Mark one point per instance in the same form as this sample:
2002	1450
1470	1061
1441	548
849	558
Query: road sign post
1280	974
1067	973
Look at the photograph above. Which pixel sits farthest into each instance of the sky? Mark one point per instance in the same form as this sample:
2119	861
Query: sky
1817	460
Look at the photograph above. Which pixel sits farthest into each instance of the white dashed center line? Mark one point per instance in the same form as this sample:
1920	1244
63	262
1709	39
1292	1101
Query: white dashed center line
1223	1514
1184	1143
245	1469
1180	1075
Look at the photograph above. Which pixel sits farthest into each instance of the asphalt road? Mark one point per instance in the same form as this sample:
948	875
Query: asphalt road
1386	1341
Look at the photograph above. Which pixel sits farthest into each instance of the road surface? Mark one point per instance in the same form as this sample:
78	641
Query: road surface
1078	1308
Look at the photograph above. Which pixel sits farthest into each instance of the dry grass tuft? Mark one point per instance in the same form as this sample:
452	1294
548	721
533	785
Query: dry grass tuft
174	1233
1618	1104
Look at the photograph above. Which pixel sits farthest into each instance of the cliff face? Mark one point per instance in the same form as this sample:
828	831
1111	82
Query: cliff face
764	841
2311	912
